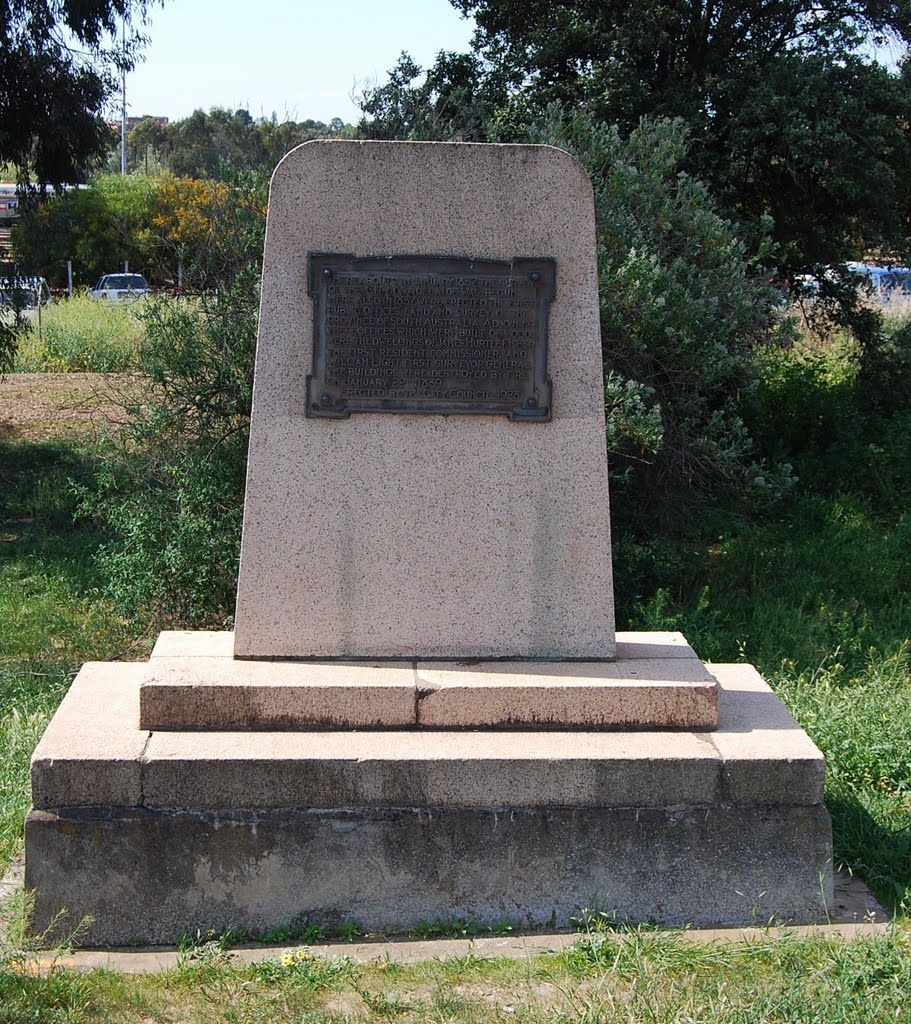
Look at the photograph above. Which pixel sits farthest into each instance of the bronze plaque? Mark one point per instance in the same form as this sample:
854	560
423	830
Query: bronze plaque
429	334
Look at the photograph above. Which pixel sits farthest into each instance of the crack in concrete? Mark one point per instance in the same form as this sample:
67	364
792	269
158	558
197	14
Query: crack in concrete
142	775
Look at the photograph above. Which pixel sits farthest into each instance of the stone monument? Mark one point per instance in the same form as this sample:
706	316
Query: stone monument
424	710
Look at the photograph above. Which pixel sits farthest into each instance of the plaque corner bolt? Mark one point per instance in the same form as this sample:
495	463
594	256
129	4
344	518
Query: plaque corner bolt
533	276
531	402
327	271
326	398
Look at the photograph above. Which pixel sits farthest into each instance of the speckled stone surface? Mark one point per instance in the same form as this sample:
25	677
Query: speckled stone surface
427	536
91	751
97	725
659	683
223	693
635	694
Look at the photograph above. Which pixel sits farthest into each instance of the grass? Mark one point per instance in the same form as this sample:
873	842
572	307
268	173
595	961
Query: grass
818	601
630	975
80	334
52	614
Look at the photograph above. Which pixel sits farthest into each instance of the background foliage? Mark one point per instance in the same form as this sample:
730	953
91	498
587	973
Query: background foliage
170	492
220	143
684	308
57	65
790	113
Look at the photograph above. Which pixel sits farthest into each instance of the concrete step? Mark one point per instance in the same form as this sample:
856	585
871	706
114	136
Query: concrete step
192	682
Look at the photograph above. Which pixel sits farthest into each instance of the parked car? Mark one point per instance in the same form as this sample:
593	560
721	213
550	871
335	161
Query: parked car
886	283
24	292
120	287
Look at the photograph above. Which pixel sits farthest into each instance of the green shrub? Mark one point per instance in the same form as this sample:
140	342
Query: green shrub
172	489
684	306
80	334
841	415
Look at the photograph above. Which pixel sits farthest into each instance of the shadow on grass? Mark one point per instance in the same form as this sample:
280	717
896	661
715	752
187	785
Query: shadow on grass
38	506
52	605
878	855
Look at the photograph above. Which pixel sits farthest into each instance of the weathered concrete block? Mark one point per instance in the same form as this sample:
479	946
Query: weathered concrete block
90	753
193	683
766	757
145	877
633	644
639	694
217	770
258	829
194	643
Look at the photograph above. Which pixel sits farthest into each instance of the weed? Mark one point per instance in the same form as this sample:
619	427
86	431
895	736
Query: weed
284	933
203	958
80	334
305	935
349	931
304	968
594	919
382	1004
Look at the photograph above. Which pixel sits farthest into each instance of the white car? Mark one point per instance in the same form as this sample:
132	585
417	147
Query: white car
120	287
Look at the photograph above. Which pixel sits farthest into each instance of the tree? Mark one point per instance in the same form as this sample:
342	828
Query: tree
198	224
172	488
684	306
221	143
789	114
454	100
57	63
98	228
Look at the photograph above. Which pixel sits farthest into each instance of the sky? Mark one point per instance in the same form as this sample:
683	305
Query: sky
298	59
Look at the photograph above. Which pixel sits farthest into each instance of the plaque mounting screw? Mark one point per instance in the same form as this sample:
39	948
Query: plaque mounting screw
325	398
327	271
531	401
534	276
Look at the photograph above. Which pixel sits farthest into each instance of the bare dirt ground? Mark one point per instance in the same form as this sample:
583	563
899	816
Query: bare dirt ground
38	406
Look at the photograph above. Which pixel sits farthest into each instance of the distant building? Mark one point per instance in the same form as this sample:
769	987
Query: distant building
9	202
132	122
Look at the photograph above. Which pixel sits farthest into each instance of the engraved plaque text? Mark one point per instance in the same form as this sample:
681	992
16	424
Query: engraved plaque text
429	334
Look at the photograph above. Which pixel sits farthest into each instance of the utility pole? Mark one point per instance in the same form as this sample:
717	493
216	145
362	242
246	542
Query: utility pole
123	107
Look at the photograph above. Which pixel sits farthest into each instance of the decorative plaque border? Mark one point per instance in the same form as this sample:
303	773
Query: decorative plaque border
430	334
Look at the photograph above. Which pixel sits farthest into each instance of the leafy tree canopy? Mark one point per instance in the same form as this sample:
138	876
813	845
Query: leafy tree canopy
221	143
789	114
57	63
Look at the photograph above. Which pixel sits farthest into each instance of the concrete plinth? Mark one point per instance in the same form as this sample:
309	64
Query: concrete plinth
194	683
146	876
152	832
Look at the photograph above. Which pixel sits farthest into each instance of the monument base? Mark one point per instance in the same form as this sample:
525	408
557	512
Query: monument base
193	682
153	833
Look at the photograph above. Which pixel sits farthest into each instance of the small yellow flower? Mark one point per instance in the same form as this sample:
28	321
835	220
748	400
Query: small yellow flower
287	960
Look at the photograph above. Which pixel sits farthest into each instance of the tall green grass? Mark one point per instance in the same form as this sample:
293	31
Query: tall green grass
52	613
80	334
817	595
818	600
